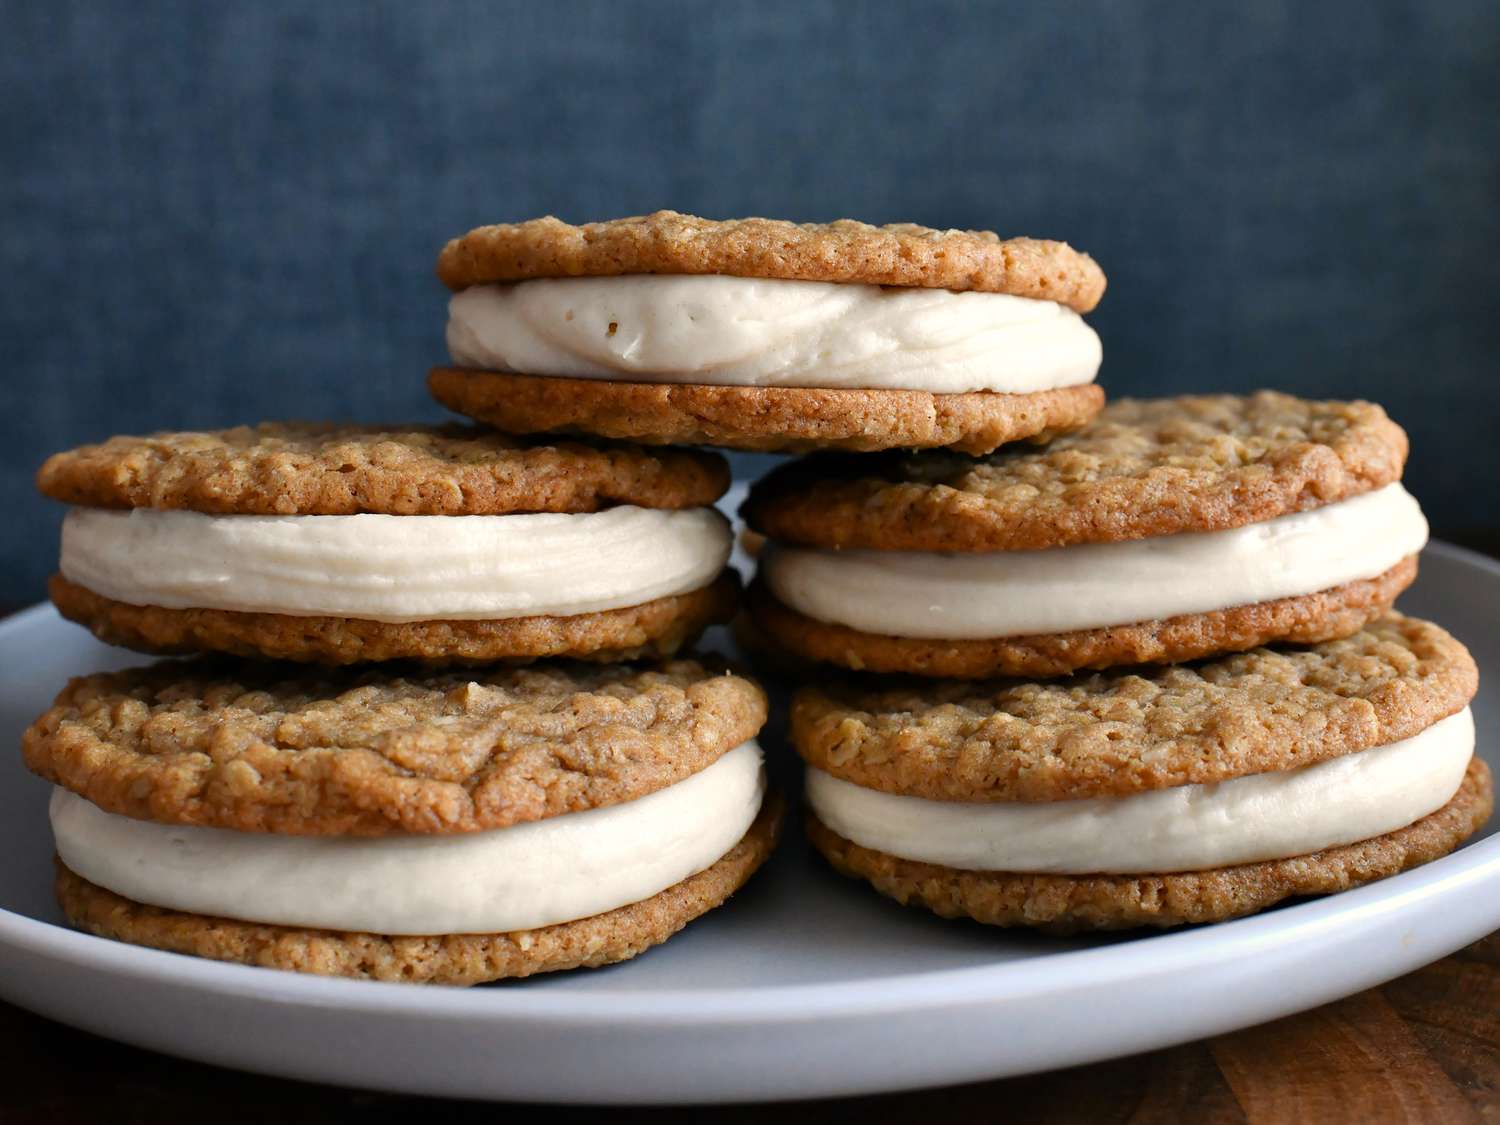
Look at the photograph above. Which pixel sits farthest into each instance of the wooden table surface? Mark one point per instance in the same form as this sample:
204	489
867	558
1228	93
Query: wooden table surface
1424	1048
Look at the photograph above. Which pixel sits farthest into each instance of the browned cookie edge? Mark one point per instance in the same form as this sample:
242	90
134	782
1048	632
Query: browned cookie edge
761	419
1305	619
658	628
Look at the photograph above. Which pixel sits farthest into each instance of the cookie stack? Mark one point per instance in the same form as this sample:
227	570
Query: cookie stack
1088	667
1263	725
293	799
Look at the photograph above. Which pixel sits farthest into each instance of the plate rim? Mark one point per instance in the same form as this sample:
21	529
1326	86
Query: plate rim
1065	971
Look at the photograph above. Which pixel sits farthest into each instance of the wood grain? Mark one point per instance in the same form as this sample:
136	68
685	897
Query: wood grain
1354	1060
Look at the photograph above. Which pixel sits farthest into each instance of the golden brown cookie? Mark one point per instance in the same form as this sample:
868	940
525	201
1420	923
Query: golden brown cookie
1309	619
603	939
658	628
1111	734
1065	904
291	468
765	419
1143	468
901	254
266	748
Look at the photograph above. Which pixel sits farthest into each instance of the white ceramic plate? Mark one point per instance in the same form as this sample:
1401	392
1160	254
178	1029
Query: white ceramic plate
804	985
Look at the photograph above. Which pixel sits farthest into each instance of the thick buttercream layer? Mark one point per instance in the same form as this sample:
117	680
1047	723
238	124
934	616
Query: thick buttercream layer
1188	828
737	331
1020	593
517	878
395	568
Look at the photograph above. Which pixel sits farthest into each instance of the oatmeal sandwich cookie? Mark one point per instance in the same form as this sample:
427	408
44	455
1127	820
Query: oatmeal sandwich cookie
1153	798
1164	531
767	335
420	826
342	544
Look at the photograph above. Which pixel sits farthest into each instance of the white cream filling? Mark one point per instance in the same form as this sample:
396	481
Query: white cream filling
1016	593
518	878
395	568
1189	828
737	331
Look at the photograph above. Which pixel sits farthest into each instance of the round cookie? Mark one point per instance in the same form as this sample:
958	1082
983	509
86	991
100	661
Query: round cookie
899	254
826	402
1134	735
1070	904
1174	471
344	472
1145	468
762	419
262	748
314	469
1117	733
453	959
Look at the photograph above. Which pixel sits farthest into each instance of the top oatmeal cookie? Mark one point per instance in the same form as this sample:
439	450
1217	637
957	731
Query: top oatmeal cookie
264	748
1142	468
1112	734
296	468
902	254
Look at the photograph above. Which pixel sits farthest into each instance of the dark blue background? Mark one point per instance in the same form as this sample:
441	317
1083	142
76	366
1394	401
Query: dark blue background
214	214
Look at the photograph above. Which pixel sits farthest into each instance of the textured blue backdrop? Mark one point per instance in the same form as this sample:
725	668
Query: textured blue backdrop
218	213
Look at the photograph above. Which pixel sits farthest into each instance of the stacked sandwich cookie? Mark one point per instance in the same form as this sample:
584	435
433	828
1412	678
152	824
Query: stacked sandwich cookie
1258	723
759	334
1189	793
1165	530
351	544
439	827
296	800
